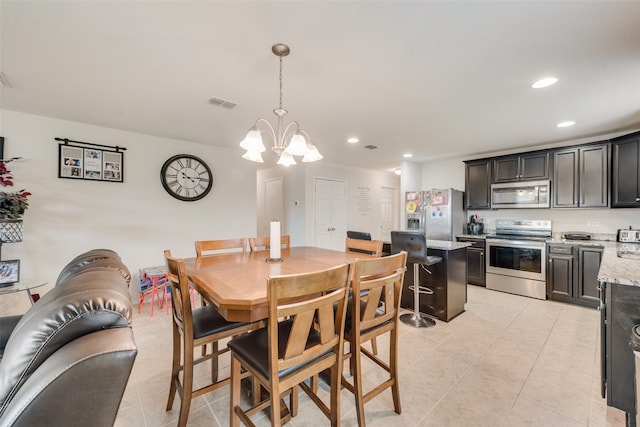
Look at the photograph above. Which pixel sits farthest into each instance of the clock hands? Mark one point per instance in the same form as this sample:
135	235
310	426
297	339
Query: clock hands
184	175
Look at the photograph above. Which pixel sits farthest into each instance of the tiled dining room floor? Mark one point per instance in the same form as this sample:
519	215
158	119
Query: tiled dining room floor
507	361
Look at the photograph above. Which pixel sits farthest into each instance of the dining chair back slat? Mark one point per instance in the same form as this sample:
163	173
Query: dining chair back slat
371	247
213	247
264	243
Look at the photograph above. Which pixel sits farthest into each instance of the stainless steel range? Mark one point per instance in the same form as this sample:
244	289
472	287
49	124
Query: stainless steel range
516	256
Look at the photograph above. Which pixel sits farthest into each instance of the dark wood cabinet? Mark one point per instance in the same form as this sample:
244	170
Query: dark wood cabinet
560	272
475	260
572	274
625	179
581	177
478	184
447	280
523	167
587	286
620	314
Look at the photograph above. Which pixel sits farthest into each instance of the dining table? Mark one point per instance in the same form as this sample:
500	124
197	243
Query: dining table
236	283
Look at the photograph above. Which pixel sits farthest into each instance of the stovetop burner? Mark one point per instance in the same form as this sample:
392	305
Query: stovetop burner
517	237
517	229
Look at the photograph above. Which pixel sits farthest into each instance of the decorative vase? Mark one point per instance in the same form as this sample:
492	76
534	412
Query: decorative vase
10	230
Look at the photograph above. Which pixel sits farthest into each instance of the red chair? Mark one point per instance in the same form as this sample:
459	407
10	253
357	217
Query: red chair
152	282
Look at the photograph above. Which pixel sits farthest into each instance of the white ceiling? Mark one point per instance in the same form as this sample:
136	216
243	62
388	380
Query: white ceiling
437	78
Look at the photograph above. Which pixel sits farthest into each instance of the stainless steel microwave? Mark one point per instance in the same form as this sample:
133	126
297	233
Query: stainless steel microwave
524	194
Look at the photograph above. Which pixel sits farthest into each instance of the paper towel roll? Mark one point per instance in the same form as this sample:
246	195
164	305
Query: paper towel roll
274	238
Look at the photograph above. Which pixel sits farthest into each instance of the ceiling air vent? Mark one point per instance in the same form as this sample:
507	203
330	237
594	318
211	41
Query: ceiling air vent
370	147
223	103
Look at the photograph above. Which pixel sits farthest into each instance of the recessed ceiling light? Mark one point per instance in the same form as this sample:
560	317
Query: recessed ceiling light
547	81
353	140
397	172
565	124
407	155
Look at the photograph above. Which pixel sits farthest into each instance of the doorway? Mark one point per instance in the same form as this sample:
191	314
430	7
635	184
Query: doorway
388	212
330	213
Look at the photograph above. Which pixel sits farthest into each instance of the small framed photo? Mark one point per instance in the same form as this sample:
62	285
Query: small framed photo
9	271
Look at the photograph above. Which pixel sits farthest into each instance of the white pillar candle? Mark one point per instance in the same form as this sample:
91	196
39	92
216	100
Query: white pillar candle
274	239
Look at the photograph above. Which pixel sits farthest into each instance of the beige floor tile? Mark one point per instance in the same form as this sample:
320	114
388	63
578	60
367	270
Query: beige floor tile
506	361
526	412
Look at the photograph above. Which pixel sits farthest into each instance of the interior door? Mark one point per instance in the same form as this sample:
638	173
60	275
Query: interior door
330	213
273	205
387	212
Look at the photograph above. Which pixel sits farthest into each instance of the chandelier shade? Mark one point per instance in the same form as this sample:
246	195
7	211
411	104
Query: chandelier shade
288	141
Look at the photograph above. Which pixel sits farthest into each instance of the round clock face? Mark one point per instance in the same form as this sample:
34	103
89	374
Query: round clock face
186	177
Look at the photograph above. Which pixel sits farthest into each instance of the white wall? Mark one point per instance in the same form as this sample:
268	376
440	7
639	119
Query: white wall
293	183
136	218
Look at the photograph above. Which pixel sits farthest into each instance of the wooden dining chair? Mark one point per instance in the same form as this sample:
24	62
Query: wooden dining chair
264	243
191	329
375	280
216	247
304	336
371	247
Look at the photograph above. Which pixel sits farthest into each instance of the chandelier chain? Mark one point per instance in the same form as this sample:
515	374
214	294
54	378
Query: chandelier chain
281	82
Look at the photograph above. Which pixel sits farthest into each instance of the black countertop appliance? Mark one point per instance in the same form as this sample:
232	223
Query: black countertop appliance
474	226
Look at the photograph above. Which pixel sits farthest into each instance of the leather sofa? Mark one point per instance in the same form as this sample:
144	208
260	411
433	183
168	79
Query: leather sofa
68	359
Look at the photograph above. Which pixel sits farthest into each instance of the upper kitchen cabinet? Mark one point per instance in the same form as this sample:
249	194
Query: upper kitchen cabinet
477	184
625	179
581	177
522	167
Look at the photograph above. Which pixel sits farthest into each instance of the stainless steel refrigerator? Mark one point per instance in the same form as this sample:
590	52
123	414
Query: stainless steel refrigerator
438	212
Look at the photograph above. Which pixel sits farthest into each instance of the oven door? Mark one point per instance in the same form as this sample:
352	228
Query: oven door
517	258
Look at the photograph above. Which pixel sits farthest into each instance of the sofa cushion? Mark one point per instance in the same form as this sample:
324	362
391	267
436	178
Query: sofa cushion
87	302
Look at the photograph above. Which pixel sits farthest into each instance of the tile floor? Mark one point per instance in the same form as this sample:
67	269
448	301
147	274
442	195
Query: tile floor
507	361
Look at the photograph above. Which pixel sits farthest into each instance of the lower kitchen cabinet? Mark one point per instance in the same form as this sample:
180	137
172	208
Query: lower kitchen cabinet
475	260
572	273
587	288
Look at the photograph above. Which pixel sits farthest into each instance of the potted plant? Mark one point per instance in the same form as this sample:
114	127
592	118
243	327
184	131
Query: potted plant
12	206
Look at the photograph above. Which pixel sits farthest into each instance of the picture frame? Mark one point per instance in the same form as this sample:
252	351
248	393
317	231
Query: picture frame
90	163
9	272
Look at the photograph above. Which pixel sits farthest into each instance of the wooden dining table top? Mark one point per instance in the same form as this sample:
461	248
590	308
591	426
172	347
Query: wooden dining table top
236	283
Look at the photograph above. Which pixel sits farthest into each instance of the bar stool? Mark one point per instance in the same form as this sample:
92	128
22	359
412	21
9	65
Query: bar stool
415	244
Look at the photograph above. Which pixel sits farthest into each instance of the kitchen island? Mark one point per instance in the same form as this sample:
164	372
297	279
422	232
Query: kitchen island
447	280
619	278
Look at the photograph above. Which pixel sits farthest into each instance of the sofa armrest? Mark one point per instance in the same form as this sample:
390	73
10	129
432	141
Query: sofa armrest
81	384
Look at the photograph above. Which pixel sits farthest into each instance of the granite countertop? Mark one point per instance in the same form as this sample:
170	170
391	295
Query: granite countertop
620	264
446	245
472	236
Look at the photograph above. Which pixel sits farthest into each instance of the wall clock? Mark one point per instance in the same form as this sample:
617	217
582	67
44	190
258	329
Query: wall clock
186	177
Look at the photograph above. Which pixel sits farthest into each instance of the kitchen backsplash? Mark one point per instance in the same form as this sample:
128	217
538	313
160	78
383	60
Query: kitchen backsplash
602	222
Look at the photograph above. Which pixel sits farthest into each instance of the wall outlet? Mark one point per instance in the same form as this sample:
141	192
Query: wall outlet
593	224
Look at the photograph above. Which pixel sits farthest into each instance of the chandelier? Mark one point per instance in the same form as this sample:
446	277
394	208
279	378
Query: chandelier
288	141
